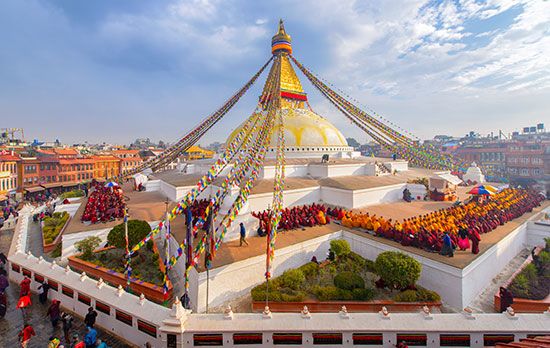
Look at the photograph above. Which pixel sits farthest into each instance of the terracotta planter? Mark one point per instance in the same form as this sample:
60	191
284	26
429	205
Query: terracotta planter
352	306
51	246
522	305
151	291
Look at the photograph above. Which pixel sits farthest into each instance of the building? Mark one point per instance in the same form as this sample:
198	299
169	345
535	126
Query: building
491	156
29	174
196	152
129	159
106	166
8	174
75	171
528	160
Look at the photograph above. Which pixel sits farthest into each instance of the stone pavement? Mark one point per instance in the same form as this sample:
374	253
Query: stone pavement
12	323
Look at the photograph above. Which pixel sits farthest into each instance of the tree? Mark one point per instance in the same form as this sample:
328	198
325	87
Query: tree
137	230
353	143
397	270
87	246
340	248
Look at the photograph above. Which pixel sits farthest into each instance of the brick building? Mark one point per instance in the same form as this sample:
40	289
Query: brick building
129	159
29	174
8	174
106	166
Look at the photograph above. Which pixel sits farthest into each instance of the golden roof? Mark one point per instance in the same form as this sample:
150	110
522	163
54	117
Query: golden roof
289	80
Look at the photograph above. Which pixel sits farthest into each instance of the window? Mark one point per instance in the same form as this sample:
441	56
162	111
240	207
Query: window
27	273
208	340
15	268
524	172
327	338
84	299
102	307
39	278
67	291
53	285
124	317
368	339
413	339
490	340
287	338
247	338
149	329
453	340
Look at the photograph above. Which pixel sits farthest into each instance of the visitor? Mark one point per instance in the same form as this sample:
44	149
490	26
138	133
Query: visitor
43	292
4	283
3	304
54	312
243	235
67	323
475	238
447	249
90	318
23	303
91	338
54	342
25	287
77	343
463	242
3	260
101	344
506	299
407	196
25	335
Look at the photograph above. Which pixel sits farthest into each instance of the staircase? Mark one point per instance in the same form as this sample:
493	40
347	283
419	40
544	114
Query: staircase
382	169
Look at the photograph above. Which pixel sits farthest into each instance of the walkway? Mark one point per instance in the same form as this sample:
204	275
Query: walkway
13	321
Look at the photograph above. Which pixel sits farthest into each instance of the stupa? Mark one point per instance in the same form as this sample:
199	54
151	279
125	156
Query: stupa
307	134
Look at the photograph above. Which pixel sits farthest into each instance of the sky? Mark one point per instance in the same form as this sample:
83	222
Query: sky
116	70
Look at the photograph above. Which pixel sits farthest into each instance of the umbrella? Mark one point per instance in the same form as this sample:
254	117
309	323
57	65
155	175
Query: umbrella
482	190
111	184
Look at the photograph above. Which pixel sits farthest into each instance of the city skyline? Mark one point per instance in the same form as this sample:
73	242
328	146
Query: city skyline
149	70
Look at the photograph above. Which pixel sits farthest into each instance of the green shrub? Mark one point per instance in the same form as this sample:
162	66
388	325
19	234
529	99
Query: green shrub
292	278
427	295
87	247
137	230
72	194
351	263
530	271
520	286
547	244
370	266
349	281
406	296
340	247
53	226
326	293
365	294
397	269
285	295
310	269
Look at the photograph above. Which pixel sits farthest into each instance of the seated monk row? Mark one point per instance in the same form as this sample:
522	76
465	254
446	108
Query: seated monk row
296	217
472	219
104	204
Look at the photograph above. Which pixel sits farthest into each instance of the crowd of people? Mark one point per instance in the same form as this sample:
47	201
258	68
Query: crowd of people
295	217
104	204
446	229
57	318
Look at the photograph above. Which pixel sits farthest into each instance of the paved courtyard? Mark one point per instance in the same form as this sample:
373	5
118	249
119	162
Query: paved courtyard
12	323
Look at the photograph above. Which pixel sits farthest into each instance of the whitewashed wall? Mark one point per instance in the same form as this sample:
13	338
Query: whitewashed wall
235	280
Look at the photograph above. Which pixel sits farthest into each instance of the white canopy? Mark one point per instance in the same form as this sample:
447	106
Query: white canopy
453	179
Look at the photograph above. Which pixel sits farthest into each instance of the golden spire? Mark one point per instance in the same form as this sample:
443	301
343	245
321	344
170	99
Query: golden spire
281	42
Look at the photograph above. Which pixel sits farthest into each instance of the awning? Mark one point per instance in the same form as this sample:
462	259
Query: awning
34	189
70	184
455	180
51	185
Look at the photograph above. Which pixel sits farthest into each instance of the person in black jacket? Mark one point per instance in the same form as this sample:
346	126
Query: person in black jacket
89	320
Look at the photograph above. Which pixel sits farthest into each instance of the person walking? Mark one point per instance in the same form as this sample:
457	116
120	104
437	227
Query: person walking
23	303
67	323
91	338
3	304
25	287
43	292
77	343
54	312
90	318
25	335
54	342
243	235
4	283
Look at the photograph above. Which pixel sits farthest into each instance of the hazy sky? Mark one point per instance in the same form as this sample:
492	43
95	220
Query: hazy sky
115	70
